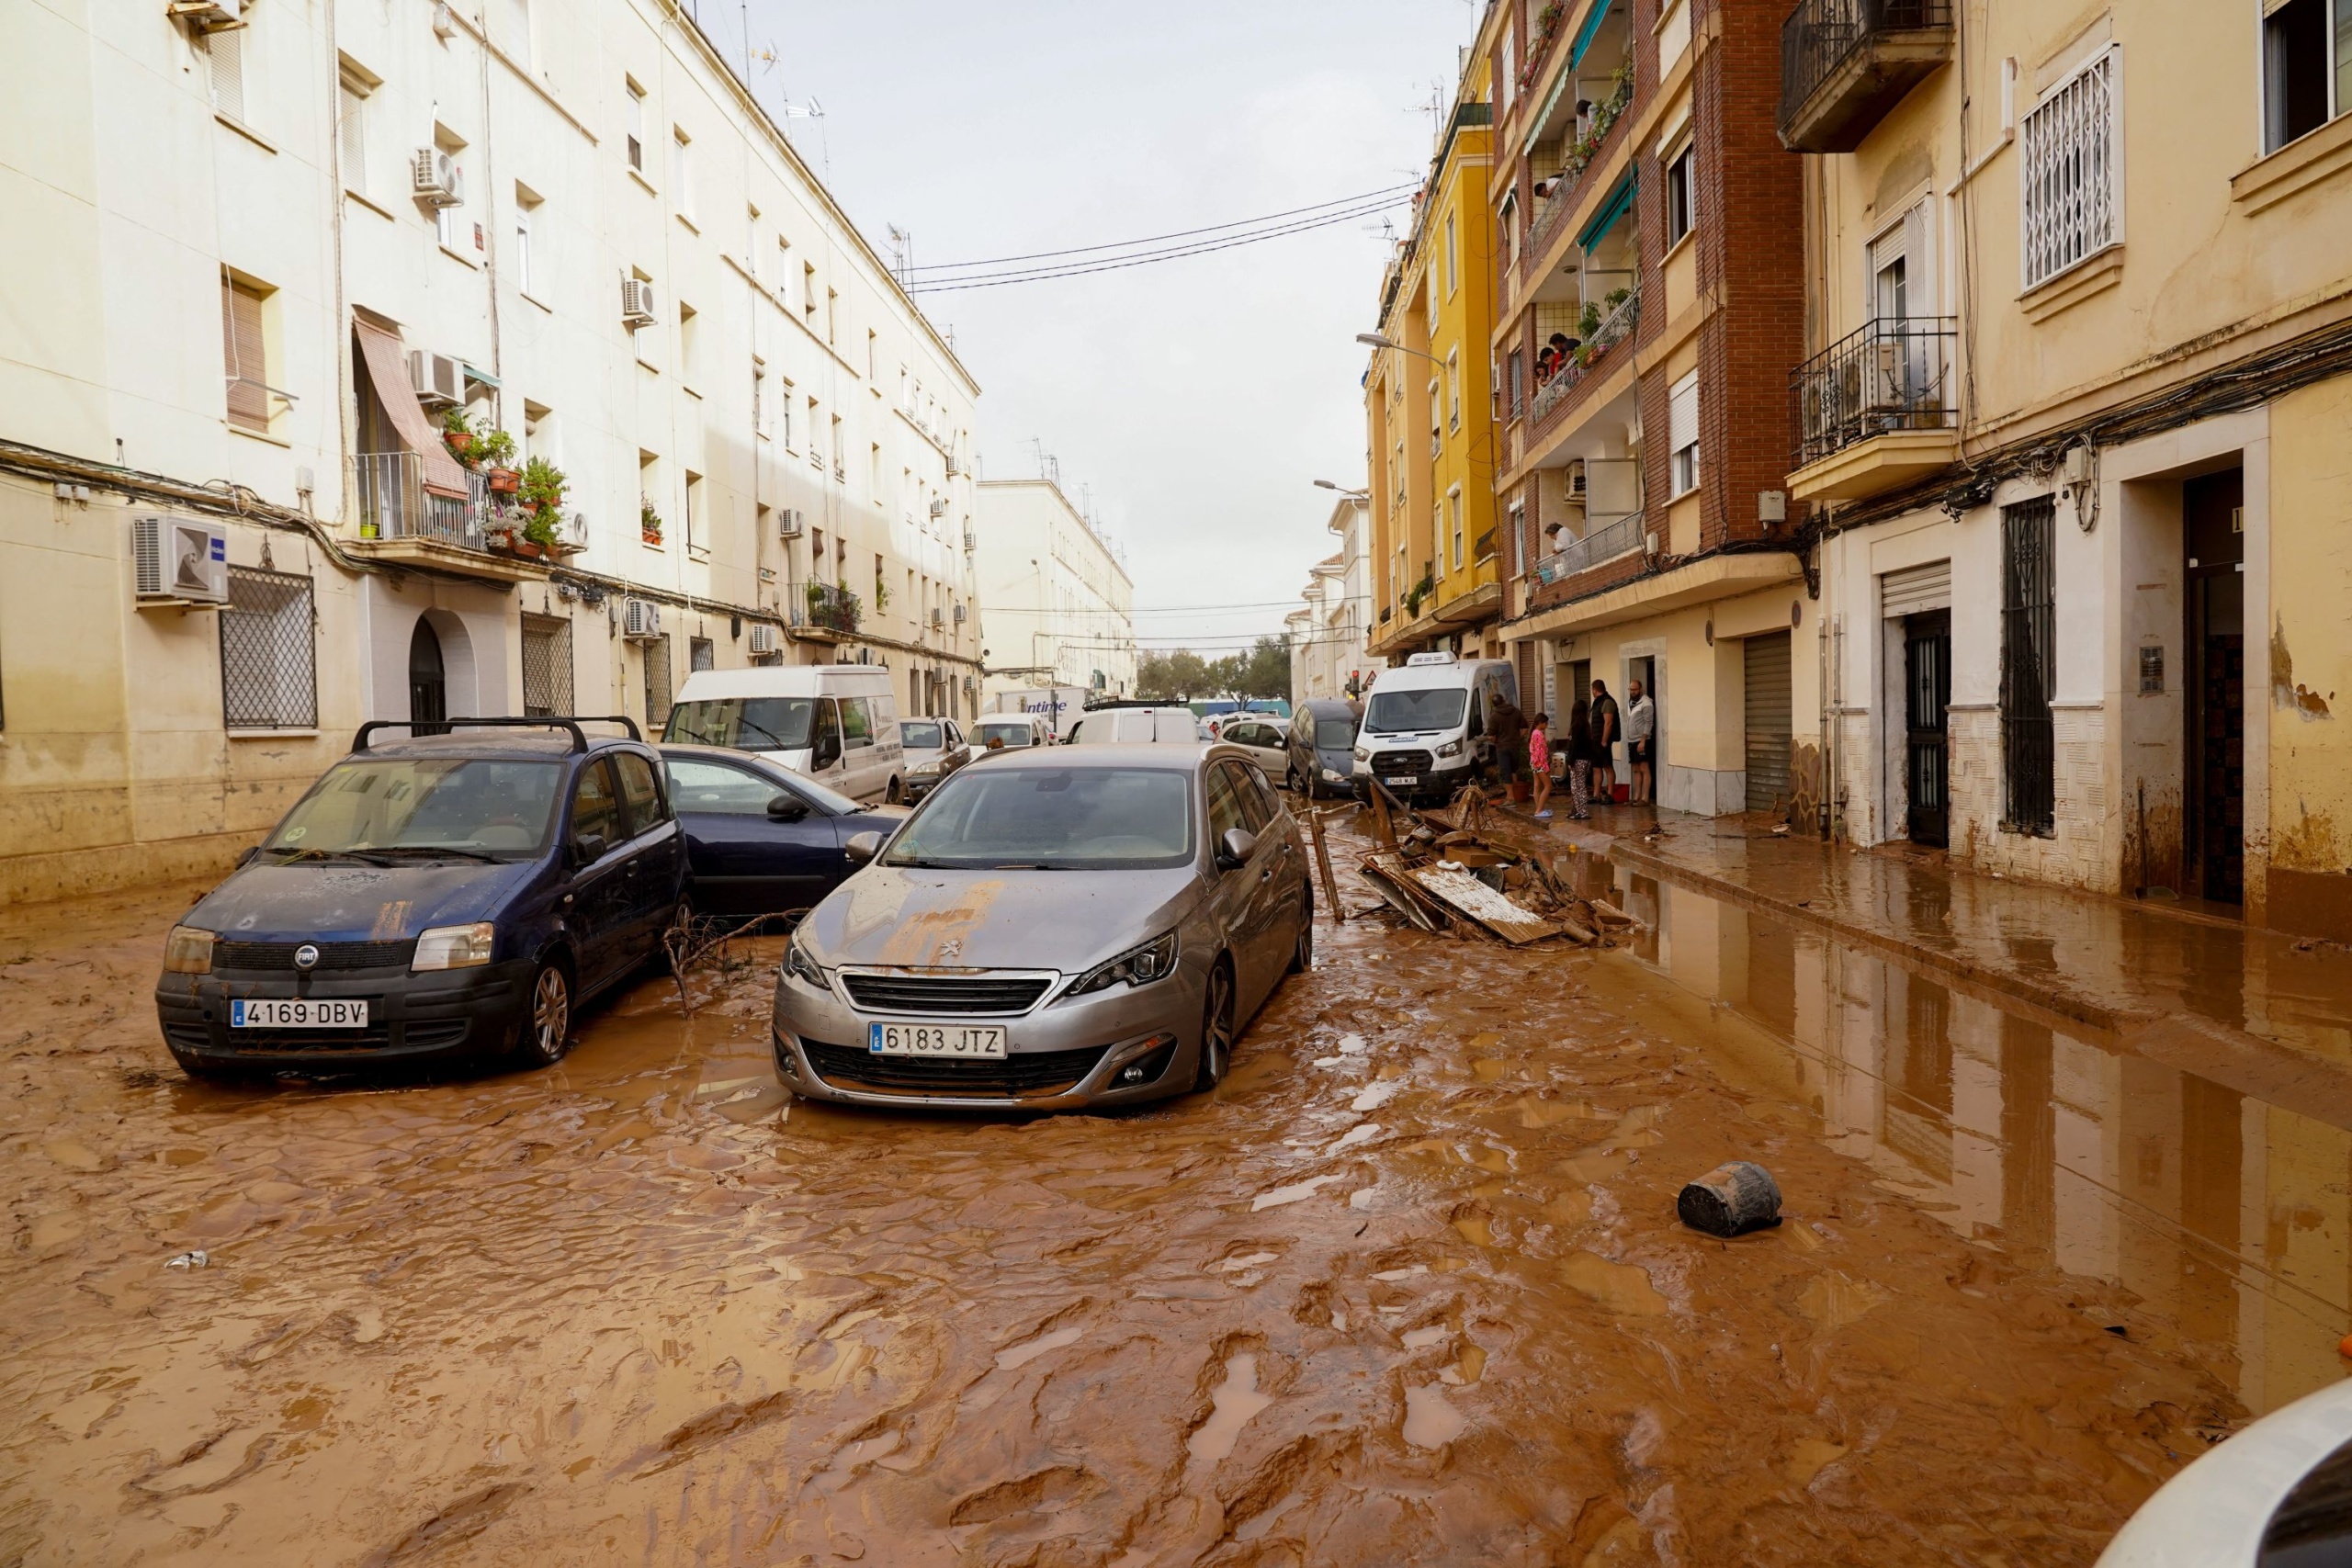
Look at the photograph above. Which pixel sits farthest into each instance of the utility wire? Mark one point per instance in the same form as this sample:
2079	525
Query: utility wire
1385	191
993	280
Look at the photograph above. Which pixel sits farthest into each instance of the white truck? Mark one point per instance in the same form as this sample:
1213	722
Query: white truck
1059	706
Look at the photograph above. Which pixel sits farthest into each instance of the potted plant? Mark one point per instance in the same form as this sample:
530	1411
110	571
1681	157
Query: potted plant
494	450
538	538
649	522
459	433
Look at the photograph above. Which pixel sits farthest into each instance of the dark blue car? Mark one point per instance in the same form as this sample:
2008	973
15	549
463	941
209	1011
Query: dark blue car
762	840
448	898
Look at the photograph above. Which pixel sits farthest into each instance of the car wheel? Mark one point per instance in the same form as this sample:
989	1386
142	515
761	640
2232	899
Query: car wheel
1302	952
1290	782
896	794
545	1034
1216	1028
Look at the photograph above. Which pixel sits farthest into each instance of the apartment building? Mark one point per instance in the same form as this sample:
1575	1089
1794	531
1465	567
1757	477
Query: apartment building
1650	306
1428	403
1330	656
2073	434
420	360
1061	608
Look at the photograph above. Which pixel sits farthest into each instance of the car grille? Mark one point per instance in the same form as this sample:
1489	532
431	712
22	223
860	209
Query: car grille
979	992
375	1037
1386	762
279	955
1023	1073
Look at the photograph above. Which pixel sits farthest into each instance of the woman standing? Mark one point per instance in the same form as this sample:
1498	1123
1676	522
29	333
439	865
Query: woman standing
1580	761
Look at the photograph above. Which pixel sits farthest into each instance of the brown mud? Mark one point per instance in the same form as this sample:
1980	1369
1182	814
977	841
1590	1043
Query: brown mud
1408	1289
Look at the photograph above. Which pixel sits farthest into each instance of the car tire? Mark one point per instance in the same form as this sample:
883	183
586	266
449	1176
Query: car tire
895	794
1302	950
1290	783
543	1034
1217	1028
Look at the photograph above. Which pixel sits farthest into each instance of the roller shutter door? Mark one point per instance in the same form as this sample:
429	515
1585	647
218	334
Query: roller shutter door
1915	589
1768	721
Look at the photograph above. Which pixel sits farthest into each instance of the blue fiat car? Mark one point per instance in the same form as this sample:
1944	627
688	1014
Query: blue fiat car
445	898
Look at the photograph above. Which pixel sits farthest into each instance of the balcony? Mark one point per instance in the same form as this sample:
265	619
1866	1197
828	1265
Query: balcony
1875	410
1844	63
1605	543
1591	355
400	520
832	614
1587	151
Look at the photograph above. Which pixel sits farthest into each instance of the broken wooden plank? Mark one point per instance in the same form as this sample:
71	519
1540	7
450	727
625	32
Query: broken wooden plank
1323	863
1464	894
1394	883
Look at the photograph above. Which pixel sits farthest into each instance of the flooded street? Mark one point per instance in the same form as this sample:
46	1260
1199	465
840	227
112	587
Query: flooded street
1408	1289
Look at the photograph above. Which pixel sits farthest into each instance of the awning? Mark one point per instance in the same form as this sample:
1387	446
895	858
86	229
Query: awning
1586	34
380	351
1611	211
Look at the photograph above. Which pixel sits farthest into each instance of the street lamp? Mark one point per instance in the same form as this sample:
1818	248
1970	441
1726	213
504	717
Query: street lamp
1350	494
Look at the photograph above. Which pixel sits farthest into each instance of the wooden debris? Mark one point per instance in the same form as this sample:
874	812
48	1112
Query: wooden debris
1464	894
1323	863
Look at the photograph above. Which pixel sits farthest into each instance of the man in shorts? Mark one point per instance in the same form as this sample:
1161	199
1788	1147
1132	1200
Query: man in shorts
1641	739
1605	731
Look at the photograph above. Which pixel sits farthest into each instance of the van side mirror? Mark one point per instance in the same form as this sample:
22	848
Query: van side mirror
862	847
587	848
786	808
1233	851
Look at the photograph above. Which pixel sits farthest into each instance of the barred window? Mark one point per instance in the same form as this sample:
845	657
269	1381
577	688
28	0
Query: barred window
2071	155
268	660
546	665
657	683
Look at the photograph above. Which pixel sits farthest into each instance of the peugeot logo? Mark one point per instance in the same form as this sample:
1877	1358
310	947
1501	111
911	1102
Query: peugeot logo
306	956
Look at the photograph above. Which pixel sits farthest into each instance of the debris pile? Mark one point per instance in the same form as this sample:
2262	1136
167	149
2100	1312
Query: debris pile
1444	869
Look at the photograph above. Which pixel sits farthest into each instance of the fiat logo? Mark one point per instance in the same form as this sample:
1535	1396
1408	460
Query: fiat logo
306	956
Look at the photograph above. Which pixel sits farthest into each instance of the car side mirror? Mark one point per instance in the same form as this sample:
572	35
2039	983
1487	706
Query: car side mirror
787	808
1234	850
862	847
587	848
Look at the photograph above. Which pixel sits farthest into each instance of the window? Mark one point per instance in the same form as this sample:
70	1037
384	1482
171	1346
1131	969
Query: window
2029	640
682	190
1508	76
526	207
352	128
689	344
1508	220
809	295
759	398
224	57
833	316
1428	293
701	654
269	672
784	412
245	355
857	723
841	452
2071	169
656	683
2306	67
1454	509
639	793
1682	435
816	457
870	350
1437	416
1891	271
596	807
874	473
636	126
448	222
546	665
518	33
1518	370
697	528
751	242
1452	259
1453	389
1678	207
719	789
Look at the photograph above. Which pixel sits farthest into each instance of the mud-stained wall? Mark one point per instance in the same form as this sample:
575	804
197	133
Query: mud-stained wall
2308	884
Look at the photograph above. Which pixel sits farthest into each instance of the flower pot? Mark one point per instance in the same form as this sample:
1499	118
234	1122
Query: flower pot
528	550
650	536
505	482
1520	791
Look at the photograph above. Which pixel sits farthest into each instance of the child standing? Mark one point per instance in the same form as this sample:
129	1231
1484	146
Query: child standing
1539	758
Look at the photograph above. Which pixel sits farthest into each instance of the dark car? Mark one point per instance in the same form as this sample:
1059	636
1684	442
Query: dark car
760	838
1322	742
448	898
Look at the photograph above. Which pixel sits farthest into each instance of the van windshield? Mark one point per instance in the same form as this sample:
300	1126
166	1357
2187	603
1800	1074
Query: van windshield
747	724
1395	713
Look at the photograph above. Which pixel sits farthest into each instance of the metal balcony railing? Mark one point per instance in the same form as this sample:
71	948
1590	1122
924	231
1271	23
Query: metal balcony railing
1820	37
832	607
1605	543
1614	328
391	502
1578	158
1890	374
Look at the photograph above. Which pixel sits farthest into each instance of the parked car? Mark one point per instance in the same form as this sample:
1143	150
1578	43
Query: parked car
931	748
1161	725
444	897
2276	1494
1321	748
836	723
1012	730
1067	928
1273	707
1425	722
760	838
1262	736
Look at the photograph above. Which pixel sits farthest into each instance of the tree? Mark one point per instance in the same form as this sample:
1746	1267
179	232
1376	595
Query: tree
1266	673
1175	676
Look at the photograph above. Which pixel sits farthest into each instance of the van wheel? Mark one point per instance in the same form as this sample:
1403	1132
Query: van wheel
544	1035
1216	1028
896	794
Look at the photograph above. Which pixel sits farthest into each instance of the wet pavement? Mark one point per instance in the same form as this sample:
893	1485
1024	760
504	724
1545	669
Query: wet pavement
1408	1289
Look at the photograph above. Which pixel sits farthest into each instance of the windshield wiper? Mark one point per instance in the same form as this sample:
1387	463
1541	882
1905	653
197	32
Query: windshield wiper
435	850
781	743
294	853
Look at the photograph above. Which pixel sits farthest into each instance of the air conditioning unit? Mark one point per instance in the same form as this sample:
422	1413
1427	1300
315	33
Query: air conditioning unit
971	540
960	614
438	180
971	685
438	379
178	560
762	637
1575	479
640	619
210	15
637	303
937	620
575	531
954	467
939	509
789	523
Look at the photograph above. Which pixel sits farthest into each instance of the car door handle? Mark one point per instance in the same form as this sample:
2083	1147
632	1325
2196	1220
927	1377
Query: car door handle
1267	874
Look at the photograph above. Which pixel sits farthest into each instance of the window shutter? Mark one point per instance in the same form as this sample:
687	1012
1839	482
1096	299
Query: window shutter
226	51
1682	413
243	358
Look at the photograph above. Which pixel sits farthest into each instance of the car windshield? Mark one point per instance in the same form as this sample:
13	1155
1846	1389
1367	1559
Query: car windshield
919	735
1395	713
378	809
1054	820
1012	732
747	724
1335	734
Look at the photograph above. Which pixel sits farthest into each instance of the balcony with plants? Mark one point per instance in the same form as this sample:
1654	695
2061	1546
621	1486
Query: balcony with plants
833	611
1605	324
506	517
1845	63
1876	410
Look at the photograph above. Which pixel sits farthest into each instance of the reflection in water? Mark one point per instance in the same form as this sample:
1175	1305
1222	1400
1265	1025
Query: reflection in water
2225	1216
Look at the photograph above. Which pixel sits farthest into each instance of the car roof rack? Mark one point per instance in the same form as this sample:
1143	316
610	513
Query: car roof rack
443	726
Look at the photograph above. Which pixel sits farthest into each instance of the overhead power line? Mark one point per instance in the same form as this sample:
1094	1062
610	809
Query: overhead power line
1385	191
1174	253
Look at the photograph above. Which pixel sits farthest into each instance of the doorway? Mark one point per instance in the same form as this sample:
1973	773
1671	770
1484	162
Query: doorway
2213	534
428	681
1644	670
1927	687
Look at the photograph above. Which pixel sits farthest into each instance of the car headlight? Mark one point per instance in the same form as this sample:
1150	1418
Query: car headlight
454	947
801	964
1450	749
1364	753
1155	959
923	770
188	950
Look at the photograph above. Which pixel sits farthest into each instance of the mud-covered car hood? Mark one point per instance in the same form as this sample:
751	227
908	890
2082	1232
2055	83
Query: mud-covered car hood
1070	920
345	902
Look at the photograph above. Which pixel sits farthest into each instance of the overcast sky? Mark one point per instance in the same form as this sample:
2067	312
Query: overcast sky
1193	401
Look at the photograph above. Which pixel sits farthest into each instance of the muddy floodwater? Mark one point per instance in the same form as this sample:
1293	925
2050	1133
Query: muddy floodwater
1407	1290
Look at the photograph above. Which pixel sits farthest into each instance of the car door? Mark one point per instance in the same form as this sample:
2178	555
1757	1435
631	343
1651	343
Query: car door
657	849
745	860
1270	874
1265	744
1235	894
860	779
1292	885
601	901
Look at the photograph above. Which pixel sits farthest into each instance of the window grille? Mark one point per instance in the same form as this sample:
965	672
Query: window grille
657	683
2029	643
268	663
2071	151
546	665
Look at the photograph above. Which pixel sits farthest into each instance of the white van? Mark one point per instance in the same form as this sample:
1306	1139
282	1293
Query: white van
1425	725
1163	726
836	723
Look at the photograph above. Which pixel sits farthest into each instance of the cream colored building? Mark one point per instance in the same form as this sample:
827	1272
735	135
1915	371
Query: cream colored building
1328	634
237	245
2073	437
1061	605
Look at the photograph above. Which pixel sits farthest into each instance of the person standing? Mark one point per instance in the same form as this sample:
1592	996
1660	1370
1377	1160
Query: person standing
1580	761
1539	757
1509	727
1604	743
1641	737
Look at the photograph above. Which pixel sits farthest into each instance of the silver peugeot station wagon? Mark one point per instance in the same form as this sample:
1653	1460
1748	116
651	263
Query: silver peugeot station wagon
1058	928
